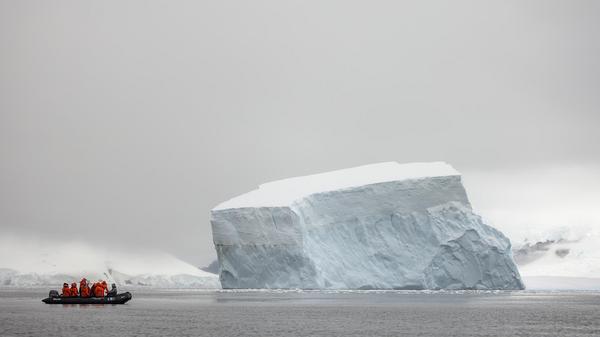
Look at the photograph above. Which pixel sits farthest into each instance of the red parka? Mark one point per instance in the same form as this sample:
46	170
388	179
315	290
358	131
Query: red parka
74	292
99	290
66	291
84	290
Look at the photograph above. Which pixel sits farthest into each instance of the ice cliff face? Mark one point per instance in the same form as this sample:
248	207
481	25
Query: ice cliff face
382	226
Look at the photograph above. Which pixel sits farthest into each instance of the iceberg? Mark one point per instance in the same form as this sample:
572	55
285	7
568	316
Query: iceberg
379	226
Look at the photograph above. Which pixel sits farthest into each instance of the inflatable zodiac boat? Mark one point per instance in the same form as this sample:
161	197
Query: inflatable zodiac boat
118	299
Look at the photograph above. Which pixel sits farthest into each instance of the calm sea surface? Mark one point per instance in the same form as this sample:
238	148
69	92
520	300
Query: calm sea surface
273	313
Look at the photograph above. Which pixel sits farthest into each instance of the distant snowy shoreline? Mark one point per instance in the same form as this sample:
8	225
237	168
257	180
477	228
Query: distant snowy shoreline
41	264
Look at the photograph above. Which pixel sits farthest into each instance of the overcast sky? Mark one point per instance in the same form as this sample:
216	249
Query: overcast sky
130	120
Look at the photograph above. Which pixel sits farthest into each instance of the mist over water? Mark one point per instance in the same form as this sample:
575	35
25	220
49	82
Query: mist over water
50	263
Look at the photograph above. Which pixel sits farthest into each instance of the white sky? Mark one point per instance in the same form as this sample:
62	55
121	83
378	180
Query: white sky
138	117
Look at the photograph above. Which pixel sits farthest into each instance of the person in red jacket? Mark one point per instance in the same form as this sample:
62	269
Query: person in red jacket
74	292
66	291
98	290
93	289
84	290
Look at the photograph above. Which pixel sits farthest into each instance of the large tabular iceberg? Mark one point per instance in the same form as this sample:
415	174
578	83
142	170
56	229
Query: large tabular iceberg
381	226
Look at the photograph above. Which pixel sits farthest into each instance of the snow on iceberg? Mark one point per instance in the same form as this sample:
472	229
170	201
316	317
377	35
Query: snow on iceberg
41	264
380	226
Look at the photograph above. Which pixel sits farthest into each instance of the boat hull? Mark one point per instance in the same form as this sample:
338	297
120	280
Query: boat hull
119	299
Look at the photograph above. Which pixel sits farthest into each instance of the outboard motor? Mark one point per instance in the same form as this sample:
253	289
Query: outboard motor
53	293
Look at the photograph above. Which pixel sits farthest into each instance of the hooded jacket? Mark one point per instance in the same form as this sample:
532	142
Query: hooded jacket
74	292
66	291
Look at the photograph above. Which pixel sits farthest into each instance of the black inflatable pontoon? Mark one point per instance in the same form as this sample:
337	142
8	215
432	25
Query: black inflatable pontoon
119	299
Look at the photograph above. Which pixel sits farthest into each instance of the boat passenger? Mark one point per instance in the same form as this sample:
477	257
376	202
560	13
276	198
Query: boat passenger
84	290
113	291
98	290
74	292
66	291
105	287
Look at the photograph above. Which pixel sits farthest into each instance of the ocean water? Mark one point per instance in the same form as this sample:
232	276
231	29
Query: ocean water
307	313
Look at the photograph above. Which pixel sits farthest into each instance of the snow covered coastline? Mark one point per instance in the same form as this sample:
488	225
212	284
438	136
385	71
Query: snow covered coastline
566	258
381	226
40	264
